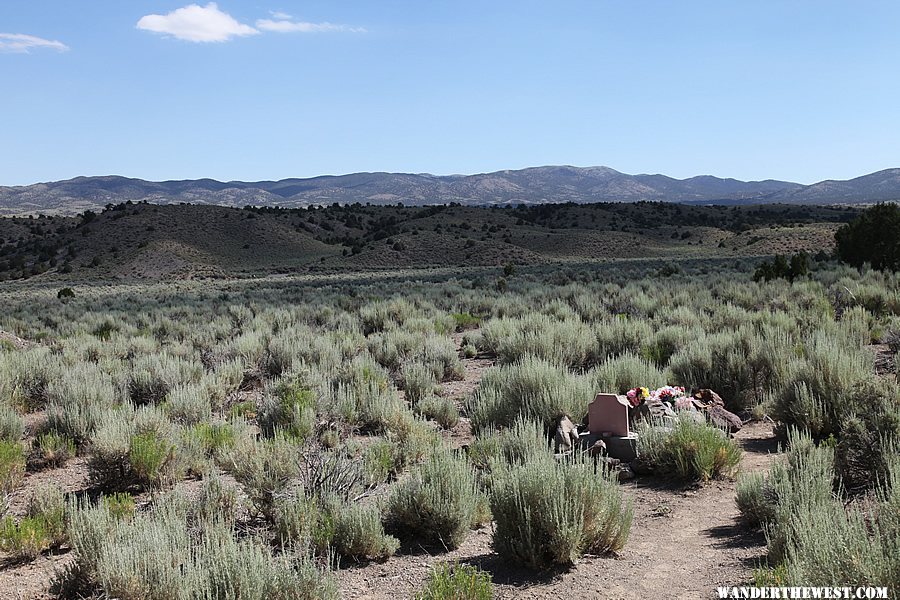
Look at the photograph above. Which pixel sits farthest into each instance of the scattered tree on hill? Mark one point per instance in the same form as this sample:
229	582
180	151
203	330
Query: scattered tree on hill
781	268
873	237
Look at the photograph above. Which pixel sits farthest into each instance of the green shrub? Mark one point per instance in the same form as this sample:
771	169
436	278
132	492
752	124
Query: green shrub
381	460
418	382
290	408
11	425
55	449
214	438
245	409
156	552
755	499
688	450
25	539
12	467
119	504
825	389
42	528
549	514
77	401
525	441
359	534
264	469
531	389
457	582
436	505
152	459
465	321
442	410
873	237
189	403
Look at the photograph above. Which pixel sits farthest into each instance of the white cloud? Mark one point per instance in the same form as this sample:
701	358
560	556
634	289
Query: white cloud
287	26
280	16
23	44
195	23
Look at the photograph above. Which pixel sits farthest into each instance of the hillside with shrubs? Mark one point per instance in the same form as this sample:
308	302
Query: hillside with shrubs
150	242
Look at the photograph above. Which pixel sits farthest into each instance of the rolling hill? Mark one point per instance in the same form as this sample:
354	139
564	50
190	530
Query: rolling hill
146	241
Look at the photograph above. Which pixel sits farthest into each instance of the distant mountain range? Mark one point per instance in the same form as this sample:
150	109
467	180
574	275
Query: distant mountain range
552	184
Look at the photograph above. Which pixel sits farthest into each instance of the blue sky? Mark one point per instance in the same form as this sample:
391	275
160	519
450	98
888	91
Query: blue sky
789	90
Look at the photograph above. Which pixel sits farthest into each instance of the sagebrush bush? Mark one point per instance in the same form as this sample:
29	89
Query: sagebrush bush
564	342
154	376
54	449
814	539
755	499
157	556
622	373
525	441
741	364
189	403
532	389
442	410
688	450
11	425
264	469
12	467
360	393
289	407
28	374
815	395
436	506
549	514
109	447
800	483
418	381
457	582
359	534
217	501
866	435
77	400
152	459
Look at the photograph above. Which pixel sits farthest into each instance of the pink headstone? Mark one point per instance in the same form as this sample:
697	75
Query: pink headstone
608	415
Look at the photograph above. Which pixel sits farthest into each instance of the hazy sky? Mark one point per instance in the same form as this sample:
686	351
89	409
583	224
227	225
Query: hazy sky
268	89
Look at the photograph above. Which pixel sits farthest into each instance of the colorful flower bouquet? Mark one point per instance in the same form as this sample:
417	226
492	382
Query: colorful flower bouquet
673	396
637	396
